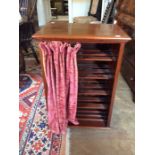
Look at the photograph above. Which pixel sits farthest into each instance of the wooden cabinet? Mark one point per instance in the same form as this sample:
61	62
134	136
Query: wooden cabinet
99	62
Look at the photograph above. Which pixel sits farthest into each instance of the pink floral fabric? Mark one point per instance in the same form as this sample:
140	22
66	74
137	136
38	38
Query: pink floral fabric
60	65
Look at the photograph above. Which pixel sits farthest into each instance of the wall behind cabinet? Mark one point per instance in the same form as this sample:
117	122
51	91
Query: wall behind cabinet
78	8
43	11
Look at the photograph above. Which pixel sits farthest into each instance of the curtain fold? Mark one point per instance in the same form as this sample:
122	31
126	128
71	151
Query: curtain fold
60	65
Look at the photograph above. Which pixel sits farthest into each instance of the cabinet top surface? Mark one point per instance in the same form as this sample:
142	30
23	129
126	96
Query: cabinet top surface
64	31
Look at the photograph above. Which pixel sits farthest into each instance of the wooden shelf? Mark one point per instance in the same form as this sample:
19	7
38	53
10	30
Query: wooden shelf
99	77
96	59
93	99
94	93
90	105
84	122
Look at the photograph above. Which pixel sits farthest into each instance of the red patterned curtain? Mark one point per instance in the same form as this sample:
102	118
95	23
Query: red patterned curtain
60	64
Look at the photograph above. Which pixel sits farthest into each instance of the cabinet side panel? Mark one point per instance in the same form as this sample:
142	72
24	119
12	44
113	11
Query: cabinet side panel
117	71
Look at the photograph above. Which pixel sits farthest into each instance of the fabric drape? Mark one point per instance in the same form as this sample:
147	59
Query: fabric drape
60	65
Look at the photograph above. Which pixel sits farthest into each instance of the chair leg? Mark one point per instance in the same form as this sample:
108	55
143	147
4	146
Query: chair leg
24	46
34	54
21	61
